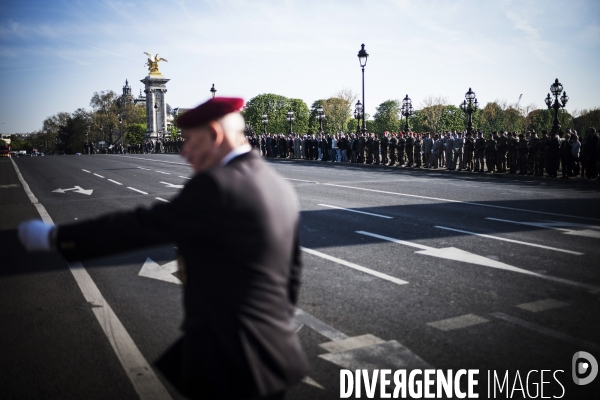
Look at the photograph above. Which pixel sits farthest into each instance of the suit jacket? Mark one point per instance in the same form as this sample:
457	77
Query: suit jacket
236	227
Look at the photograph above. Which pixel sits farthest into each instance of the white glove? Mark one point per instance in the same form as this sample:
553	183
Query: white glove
35	235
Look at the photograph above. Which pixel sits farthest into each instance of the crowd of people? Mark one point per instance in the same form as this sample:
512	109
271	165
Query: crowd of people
501	152
166	145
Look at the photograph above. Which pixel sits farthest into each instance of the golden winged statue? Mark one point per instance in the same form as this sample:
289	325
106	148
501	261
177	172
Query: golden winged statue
153	64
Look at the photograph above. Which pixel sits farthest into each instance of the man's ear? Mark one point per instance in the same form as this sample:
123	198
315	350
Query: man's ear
217	133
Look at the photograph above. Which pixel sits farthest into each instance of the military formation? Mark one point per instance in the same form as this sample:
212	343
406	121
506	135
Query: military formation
499	153
166	145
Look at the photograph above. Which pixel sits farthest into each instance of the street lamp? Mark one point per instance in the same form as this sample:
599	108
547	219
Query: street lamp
265	121
407	110
469	106
556	88
320	117
290	119
362	59
213	91
358	108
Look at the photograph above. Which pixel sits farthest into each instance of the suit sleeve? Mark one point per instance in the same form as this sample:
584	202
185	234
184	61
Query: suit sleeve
296	267
195	211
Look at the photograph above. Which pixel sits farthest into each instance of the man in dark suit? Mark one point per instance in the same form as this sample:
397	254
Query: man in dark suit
239	340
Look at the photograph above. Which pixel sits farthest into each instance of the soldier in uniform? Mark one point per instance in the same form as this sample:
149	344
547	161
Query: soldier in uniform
457	145
541	154
393	144
553	155
513	152
418	151
376	143
238	339
523	152
384	148
361	148
449	148
468	150
490	152
369	149
409	148
401	149
533	150
501	149
427	150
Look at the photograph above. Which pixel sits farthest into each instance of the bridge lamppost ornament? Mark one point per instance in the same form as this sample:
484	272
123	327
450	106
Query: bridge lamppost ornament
213	91
265	121
556	88
469	106
362	59
357	115
290	119
320	118
407	110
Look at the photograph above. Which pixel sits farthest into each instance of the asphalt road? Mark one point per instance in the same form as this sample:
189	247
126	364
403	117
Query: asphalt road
397	275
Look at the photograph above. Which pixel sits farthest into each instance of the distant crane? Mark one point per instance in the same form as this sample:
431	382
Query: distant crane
518	101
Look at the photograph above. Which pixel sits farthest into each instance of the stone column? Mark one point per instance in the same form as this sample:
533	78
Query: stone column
155	94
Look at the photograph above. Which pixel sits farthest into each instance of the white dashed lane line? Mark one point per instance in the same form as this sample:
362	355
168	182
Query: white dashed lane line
98	175
147	169
158	198
85	170
356	211
162	172
184	177
136	190
118	183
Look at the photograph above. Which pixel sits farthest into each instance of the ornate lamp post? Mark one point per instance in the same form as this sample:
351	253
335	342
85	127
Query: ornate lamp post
358	114
556	88
362	59
407	110
469	106
290	119
265	121
320	118
213	91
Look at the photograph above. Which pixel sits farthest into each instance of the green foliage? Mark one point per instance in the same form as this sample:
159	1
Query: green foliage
587	119
386	117
172	130
72	135
136	133
276	107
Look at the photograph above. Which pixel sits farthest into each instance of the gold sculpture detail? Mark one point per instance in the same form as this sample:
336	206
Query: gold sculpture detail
153	64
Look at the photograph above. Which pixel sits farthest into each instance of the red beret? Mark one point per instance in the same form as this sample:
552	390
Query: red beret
209	111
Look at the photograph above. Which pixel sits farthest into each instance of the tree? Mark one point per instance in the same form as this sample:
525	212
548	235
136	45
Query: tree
72	135
51	128
275	106
386	117
587	118
337	110
432	112
136	133
492	117
106	116
453	119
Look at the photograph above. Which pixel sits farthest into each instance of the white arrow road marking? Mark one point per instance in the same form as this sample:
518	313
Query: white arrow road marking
356	211
76	189
171	185
452	253
509	240
151	269
355	266
556	226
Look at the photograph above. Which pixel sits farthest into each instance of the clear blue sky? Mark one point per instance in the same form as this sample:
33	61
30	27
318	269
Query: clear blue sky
56	54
